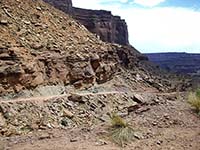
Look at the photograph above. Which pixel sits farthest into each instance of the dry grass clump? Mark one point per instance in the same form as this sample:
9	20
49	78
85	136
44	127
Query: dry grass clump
121	132
194	100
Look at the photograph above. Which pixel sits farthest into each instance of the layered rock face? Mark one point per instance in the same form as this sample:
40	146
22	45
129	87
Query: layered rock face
109	28
178	62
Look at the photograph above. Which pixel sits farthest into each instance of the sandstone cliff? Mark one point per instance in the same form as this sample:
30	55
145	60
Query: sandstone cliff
110	28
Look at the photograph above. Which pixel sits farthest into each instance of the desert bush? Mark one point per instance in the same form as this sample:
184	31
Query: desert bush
121	132
117	121
194	100
198	93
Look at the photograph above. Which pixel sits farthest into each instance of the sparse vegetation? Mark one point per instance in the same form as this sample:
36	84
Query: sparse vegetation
198	93
117	121
194	100
121	132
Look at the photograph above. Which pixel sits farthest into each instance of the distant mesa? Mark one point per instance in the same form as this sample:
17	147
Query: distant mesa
185	63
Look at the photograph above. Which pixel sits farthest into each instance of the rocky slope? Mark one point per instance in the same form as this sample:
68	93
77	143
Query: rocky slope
109	28
184	63
47	47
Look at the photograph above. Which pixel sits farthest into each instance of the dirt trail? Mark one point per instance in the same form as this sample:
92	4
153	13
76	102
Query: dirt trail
44	98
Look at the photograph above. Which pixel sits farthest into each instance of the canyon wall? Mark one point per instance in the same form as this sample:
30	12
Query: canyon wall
64	5
109	28
184	63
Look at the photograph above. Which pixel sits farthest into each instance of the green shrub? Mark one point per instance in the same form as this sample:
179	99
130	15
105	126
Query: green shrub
194	100
198	93
121	132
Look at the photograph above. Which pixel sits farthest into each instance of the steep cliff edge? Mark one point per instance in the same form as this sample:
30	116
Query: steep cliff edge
109	28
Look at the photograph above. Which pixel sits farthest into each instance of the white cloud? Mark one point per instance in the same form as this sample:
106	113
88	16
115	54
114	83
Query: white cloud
157	29
123	1
95	4
149	3
164	29
90	4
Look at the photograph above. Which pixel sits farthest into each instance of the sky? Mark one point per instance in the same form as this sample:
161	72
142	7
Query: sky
156	25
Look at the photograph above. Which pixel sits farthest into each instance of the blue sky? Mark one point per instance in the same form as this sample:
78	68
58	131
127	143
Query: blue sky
156	25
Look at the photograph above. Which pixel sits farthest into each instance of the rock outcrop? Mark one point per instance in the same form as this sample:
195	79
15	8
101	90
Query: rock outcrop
109	28
184	63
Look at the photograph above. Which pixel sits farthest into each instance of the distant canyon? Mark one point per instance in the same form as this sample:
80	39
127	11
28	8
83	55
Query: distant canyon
183	63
